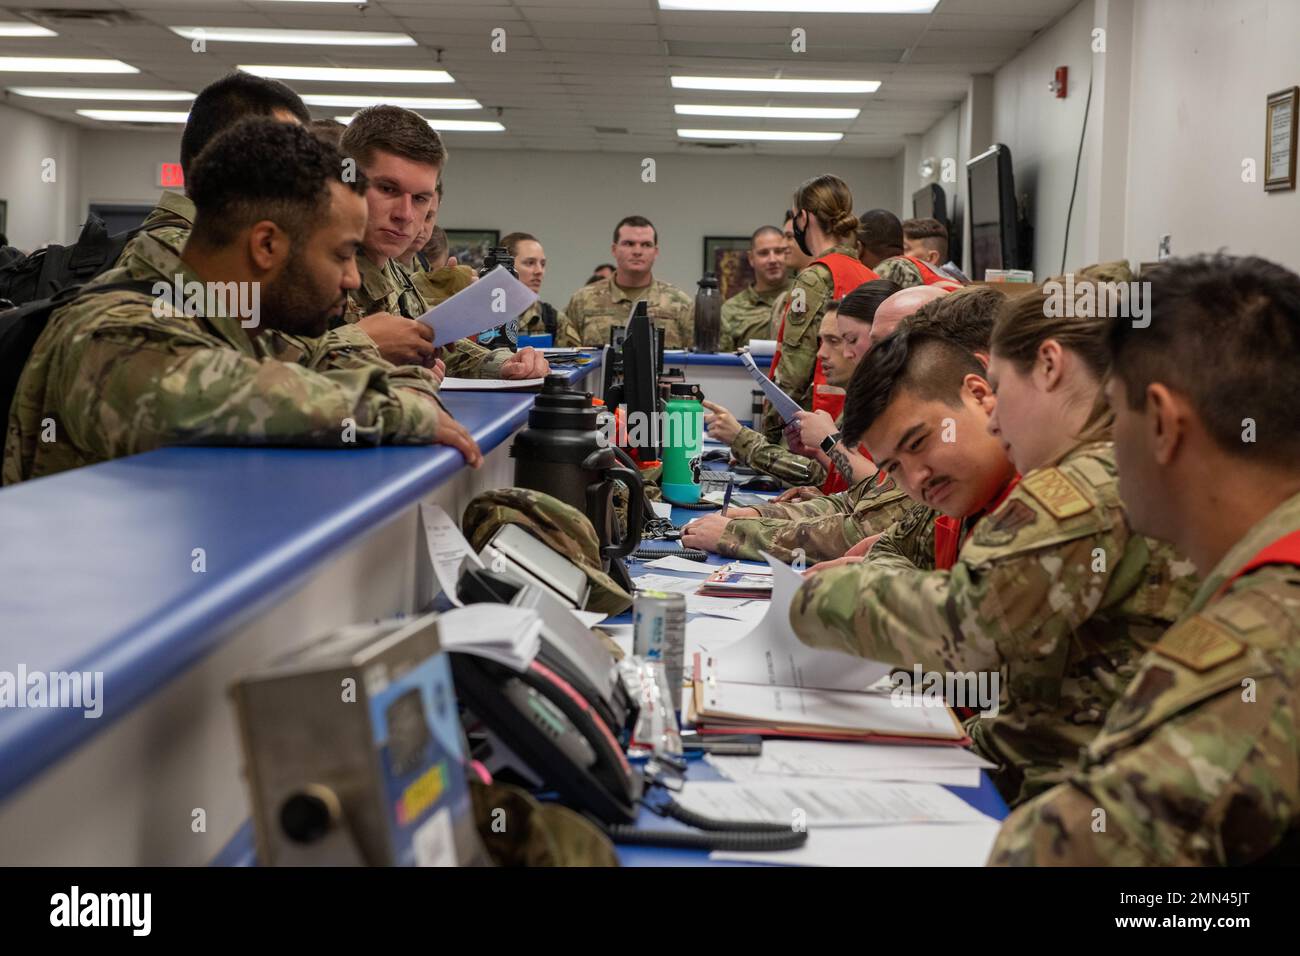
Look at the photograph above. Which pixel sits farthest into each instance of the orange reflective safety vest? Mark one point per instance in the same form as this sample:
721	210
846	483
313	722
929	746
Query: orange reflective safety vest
950	533
928	275
847	274
1285	550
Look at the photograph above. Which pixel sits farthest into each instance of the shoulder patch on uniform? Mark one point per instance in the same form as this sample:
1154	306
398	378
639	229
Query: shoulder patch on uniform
1200	644
1000	529
1057	493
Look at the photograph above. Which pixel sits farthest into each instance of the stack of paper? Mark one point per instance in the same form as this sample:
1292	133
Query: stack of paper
498	632
736	584
848	762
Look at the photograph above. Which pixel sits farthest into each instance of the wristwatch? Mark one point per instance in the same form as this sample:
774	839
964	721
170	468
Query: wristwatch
829	442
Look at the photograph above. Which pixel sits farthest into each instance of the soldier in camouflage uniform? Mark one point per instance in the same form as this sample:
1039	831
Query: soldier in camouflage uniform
121	371
556	524
403	157
595	309
1052	589
1197	761
748	314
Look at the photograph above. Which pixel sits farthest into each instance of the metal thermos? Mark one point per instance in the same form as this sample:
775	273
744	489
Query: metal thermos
708	314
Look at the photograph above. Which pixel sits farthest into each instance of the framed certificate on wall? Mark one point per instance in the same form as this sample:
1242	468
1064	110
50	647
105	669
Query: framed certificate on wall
1280	140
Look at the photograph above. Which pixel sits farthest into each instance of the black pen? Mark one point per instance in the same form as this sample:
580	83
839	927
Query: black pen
726	497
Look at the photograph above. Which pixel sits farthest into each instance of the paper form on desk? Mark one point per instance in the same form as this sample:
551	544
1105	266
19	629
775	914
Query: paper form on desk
665	582
674	562
773	655
785	406
448	548
453	384
954	844
824	804
491	301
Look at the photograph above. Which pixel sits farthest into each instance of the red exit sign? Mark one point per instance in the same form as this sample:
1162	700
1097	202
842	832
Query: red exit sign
171	176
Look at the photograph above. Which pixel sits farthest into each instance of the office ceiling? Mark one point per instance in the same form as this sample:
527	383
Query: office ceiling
575	74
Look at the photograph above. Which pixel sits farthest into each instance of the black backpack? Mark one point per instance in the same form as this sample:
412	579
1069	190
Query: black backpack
46	271
22	326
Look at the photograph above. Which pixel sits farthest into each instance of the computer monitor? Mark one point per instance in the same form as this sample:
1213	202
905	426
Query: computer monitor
928	203
993	229
641	358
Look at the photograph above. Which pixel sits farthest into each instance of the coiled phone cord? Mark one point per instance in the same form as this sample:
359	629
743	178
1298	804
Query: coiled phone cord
715	835
690	554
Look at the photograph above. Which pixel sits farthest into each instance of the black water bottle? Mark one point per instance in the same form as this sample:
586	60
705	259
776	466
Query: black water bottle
708	314
505	335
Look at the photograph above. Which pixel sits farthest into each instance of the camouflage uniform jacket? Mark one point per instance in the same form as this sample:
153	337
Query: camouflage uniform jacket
113	378
812	289
1199	761
530	321
748	315
820	537
1052	590
900	270
595	309
170	222
752	449
389	288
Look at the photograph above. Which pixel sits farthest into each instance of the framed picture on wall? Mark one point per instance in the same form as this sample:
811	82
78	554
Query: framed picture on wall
4	217
727	257
471	246
1280	139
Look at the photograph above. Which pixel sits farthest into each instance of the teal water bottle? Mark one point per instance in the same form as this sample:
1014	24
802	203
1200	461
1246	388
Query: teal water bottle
682	439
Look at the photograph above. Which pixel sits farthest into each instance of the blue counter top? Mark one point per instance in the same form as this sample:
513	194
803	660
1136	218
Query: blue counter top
682	357
95	574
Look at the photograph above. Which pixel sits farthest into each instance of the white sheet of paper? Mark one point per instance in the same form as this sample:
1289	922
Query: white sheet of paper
957	844
736	609
589	619
824	804
662	509
785	406
665	582
491	301
508	635
709	634
772	654
447	548
821	758
684	565
453	384
750	567
841	710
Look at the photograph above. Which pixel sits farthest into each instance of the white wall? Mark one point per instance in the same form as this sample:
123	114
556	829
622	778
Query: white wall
945	143
1201	73
1043	134
569	200
42	198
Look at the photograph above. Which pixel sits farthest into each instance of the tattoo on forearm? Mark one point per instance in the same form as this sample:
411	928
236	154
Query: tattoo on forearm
840	459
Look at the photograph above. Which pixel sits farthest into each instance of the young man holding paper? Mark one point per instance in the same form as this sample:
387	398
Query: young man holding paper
402	157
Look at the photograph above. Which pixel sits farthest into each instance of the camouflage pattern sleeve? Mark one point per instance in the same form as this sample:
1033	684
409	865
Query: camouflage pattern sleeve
808	508
684	319
899	270
751	449
1030	594
1197	763
465	358
131	387
566	336
794	372
909	543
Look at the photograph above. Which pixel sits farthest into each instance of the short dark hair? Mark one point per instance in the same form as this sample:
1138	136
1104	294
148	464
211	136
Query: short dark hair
753	236
965	317
224	102
263	169
436	247
330	130
1225	332
604	265
931	233
930	367
639	222
511	240
862	302
881	233
394	130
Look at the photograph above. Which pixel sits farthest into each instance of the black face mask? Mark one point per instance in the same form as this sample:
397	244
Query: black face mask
800	236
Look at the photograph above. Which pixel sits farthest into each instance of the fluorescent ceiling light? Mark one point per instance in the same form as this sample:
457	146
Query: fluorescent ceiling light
91	93
756	84
303	37
340	74
803	6
757	134
410	102
52	64
135	116
12	28
452	125
768	112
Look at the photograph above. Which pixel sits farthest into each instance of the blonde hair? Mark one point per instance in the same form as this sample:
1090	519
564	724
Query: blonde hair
828	199
1023	324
